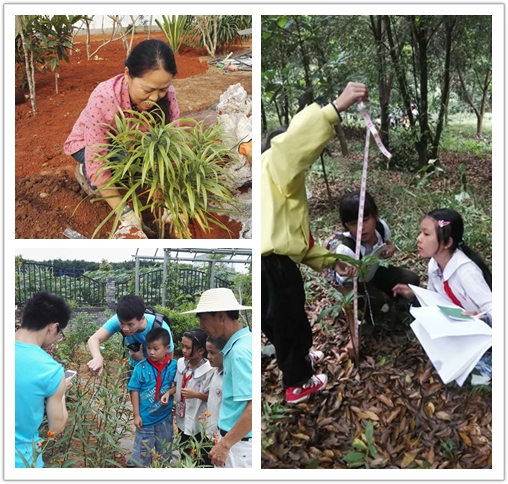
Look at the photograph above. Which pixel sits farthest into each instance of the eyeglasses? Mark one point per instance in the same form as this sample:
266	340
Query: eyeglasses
62	335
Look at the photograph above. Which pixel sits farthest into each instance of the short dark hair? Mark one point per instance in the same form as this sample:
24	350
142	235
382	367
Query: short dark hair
156	334
198	338
219	343
130	307
44	308
350	204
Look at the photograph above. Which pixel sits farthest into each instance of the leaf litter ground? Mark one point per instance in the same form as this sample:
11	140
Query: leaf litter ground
418	421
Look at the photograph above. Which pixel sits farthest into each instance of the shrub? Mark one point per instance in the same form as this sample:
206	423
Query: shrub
178	169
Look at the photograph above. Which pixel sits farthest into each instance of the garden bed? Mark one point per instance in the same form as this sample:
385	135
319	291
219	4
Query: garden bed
47	195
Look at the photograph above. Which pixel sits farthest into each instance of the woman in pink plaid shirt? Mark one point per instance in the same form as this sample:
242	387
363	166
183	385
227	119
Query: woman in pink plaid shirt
149	71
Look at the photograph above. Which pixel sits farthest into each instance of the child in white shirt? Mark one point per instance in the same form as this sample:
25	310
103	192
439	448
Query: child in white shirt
216	358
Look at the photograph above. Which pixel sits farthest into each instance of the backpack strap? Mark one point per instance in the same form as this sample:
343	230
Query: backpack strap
381	229
350	243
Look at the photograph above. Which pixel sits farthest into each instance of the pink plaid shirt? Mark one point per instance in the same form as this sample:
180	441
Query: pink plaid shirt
102	107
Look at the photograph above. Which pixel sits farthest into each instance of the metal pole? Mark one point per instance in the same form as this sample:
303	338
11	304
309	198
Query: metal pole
212	274
136	285
164	277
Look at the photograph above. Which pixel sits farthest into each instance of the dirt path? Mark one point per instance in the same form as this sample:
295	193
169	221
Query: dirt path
48	199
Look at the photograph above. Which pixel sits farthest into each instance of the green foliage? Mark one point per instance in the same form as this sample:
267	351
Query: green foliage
48	40
344	303
179	324
272	413
364	449
99	416
402	148
175	28
188	454
180	169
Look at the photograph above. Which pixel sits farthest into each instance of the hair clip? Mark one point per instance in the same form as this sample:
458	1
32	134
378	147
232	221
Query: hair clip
443	223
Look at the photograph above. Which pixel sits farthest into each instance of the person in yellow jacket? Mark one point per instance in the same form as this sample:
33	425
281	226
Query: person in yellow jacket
286	239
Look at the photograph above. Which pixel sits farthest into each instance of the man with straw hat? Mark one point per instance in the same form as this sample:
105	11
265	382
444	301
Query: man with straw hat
218	313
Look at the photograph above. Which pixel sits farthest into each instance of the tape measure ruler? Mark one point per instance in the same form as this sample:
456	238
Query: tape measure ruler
363	188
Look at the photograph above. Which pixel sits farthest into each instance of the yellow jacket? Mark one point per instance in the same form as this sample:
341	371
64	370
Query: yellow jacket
284	209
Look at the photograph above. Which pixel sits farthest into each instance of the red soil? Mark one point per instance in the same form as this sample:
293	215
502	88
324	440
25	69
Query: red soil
47	195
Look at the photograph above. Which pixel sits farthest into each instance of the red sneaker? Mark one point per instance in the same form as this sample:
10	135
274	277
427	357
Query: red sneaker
301	393
316	357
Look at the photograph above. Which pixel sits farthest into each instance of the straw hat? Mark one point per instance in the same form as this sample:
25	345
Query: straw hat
219	299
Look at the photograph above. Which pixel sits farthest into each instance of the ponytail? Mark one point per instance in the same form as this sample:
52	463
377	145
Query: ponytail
478	260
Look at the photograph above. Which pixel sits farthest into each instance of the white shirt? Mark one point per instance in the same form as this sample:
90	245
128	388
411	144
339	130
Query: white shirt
194	407
214	402
365	249
466	281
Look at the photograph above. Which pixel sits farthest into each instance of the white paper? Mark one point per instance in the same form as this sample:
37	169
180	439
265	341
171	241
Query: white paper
437	324
454	357
431	298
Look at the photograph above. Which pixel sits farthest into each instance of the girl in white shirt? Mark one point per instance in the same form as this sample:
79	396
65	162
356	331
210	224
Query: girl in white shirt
193	376
455	270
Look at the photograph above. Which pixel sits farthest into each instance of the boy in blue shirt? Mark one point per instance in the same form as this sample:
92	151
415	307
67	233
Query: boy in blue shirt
152	400
134	322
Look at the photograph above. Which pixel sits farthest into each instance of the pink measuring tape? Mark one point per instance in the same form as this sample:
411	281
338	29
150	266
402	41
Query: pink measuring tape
363	188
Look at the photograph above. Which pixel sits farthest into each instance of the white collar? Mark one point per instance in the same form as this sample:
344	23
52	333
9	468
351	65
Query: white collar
458	259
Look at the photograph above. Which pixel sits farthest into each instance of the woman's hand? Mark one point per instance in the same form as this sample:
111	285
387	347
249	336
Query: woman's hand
402	290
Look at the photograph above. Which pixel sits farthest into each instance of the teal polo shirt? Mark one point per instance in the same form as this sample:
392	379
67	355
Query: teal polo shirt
237	379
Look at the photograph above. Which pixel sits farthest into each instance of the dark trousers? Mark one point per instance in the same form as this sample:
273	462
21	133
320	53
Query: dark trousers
283	318
385	279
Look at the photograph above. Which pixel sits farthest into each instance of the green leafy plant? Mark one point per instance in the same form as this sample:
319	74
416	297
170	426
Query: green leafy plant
99	417
37	450
167	169
187	454
42	43
175	28
272	413
364	448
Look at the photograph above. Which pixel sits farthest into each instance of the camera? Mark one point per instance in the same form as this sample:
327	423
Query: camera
134	347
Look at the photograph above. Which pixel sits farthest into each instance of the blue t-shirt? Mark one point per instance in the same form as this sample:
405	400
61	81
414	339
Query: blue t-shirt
237	379
112	326
143	380
37	377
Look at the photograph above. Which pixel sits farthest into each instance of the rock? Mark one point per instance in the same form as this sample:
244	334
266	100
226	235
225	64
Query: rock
234	112
44	195
129	232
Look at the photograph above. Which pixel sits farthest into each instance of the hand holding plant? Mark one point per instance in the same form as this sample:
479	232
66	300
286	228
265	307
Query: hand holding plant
168	169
